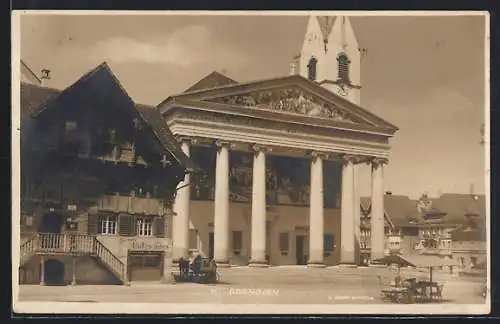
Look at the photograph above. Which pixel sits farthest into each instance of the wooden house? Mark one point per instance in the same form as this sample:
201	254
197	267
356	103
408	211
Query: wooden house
99	175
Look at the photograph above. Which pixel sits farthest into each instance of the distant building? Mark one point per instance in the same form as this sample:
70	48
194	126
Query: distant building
28	76
452	226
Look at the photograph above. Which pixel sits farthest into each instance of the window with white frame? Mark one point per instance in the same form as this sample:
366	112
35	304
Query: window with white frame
144	226
108	225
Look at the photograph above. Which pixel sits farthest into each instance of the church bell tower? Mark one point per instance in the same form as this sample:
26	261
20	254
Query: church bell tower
330	56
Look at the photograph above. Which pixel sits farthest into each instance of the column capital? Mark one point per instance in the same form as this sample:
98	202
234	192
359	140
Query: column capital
260	148
378	161
352	159
186	139
222	143
318	155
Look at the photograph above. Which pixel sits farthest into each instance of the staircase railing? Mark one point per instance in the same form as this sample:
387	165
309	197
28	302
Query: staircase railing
108	258
28	248
73	244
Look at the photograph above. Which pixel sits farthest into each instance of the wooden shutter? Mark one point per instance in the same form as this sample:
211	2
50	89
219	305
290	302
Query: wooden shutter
127	225
159	227
93	224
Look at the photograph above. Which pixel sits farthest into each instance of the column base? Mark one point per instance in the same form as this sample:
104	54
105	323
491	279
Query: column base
348	265
223	264
316	264
42	283
258	264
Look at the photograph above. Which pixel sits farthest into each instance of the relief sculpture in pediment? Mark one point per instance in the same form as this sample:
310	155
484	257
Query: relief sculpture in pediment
290	100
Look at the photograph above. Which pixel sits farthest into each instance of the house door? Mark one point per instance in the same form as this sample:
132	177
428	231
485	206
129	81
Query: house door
300	246
211	245
145	265
268	242
54	272
51	223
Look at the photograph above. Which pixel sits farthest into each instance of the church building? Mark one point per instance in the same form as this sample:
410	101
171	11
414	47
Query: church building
281	159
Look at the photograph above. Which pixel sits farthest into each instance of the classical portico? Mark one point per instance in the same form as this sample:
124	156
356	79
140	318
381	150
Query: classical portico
283	117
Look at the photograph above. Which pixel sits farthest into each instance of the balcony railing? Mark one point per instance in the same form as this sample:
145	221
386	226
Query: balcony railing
59	244
71	244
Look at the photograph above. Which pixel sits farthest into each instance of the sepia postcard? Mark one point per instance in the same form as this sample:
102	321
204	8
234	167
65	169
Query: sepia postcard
250	162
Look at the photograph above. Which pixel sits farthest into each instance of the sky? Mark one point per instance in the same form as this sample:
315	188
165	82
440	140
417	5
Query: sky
425	74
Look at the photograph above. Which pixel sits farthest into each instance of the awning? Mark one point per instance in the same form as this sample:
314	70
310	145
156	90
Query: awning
429	261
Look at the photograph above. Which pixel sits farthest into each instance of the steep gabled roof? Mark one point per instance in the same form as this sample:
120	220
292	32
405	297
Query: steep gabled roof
39	100
33	97
275	83
154	119
28	70
213	80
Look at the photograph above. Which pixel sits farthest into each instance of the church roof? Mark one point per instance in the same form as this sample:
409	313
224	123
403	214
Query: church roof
36	100
213	80
241	89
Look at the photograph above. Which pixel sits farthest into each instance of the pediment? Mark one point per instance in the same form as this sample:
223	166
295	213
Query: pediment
286	95
290	99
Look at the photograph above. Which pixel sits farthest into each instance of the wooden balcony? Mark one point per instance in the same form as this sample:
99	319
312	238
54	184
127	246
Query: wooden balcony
71	244
131	204
53	244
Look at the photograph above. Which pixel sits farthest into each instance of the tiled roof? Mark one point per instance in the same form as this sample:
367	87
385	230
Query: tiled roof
213	80
154	119
35	99
401	209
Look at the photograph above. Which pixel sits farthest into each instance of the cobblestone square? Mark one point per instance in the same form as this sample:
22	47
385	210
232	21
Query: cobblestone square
276	285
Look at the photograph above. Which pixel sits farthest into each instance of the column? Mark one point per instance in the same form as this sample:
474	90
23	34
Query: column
377	214
347	223
180	222
73	281
42	271
221	205
259	210
357	214
316	212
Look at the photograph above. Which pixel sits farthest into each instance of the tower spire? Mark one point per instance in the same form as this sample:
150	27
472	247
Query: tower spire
326	24
342	34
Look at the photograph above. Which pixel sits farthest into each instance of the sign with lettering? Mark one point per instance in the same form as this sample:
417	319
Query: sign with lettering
149	244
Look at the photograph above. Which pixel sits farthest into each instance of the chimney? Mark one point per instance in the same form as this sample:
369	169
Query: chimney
45	76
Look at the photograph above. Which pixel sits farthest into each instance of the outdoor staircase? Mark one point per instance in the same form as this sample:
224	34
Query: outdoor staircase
72	244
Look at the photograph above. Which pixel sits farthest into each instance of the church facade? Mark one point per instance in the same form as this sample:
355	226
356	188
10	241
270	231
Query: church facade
281	159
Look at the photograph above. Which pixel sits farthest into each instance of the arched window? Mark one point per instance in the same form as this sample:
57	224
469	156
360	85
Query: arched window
311	69
343	67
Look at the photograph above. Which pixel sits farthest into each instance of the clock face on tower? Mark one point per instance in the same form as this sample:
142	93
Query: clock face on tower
311	37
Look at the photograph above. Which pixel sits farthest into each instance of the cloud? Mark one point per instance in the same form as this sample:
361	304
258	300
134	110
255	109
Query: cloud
188	46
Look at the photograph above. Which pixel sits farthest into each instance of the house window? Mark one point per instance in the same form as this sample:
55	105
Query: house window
473	262
144	226
70	125
328	243
237	240
108	225
343	67
284	242
311	69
